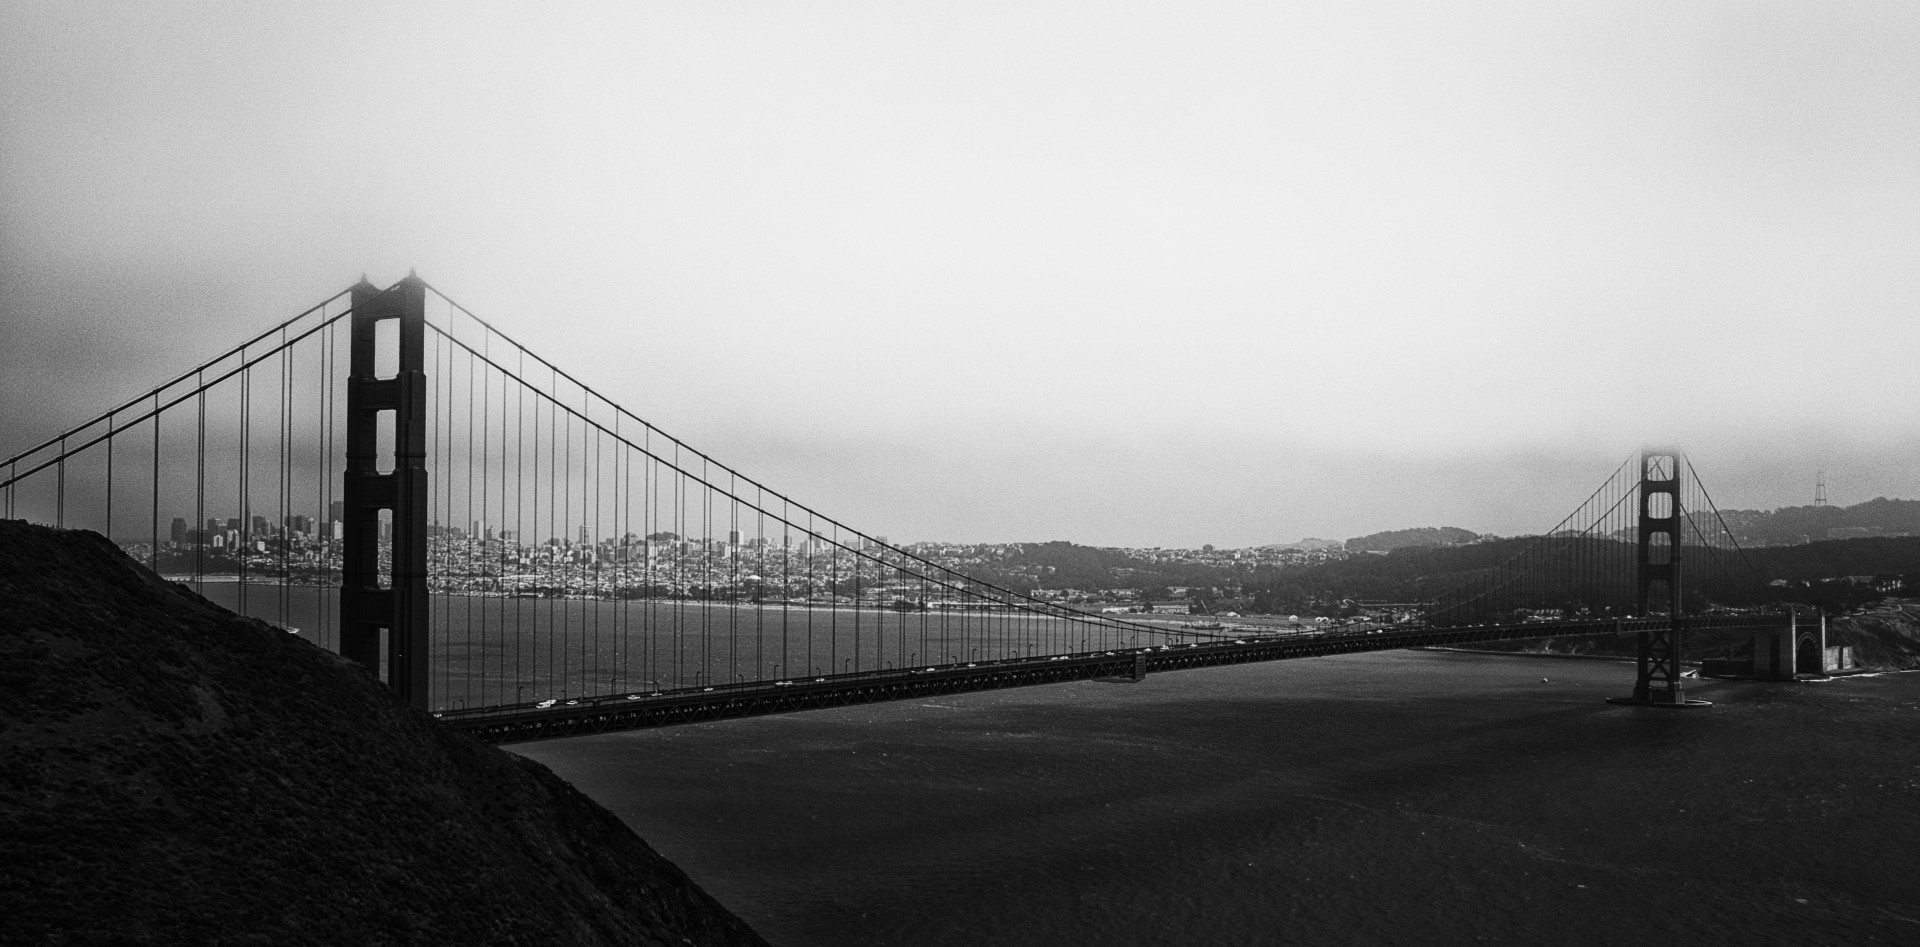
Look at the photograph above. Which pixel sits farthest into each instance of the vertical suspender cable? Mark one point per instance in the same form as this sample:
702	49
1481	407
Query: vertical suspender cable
786	591
622	580
679	531
500	550
155	563
444	378
859	566
488	570
331	547
565	510
556	645
438	501
733	592
829	543
590	552
286	472
706	578
763	568
649	527
522	626
321	527
811	542
246	446
199	532
538	553
110	439
466	515
585	557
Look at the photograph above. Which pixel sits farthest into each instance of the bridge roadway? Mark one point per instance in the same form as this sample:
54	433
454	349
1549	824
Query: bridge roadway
518	723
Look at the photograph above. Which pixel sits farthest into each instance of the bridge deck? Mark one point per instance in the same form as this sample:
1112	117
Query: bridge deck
634	711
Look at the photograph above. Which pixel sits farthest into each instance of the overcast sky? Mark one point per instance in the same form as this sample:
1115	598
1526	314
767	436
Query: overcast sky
1122	273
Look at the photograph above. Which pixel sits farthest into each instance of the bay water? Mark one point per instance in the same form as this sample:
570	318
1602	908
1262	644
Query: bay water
1390	798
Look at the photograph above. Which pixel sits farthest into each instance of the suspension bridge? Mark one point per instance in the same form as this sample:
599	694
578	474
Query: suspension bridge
394	477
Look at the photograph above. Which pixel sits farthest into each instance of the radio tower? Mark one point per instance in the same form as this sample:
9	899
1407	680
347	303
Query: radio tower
1820	489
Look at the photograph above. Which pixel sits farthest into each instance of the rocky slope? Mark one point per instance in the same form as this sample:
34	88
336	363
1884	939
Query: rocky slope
1886	638
172	773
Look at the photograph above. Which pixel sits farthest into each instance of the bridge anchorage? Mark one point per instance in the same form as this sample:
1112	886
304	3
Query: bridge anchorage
514	552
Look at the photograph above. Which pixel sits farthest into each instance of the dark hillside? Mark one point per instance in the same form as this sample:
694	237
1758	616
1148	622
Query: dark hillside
1839	557
173	774
1803	524
1428	572
1409	538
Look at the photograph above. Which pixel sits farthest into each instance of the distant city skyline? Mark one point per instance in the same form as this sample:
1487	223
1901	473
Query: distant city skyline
1167	275
262	525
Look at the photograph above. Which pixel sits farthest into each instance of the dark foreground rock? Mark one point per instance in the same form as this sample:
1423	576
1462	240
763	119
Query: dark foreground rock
173	773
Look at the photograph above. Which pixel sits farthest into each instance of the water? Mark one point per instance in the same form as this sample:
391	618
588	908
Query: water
489	651
1393	798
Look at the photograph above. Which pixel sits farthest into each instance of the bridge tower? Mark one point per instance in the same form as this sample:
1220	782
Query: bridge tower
392	599
1658	577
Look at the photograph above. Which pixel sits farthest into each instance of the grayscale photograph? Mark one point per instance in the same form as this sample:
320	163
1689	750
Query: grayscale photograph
853	474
